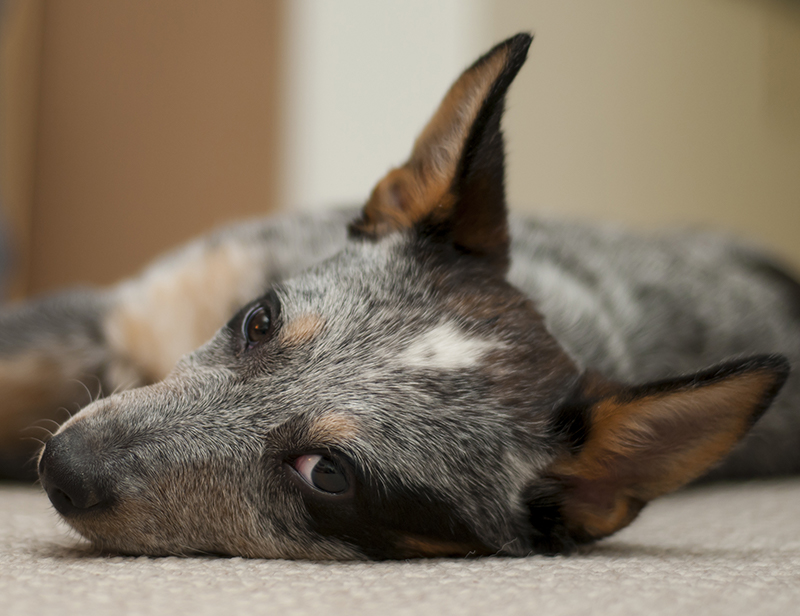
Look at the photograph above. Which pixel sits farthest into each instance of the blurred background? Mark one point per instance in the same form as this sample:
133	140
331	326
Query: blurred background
127	127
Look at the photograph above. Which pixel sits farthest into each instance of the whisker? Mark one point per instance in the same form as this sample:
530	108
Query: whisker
52	421
33	438
49	433
82	384
120	387
34	461
129	384
99	393
66	410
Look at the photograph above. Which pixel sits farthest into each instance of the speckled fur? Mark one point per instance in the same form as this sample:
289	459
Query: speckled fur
465	399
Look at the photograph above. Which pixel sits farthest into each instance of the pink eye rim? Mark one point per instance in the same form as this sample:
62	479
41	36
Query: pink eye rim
321	473
305	464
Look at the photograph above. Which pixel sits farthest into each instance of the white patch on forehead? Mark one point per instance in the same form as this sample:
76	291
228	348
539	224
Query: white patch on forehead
445	347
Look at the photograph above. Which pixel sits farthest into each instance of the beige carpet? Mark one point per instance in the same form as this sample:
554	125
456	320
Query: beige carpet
718	550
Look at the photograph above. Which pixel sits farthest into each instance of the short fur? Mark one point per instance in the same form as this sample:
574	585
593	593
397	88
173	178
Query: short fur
474	385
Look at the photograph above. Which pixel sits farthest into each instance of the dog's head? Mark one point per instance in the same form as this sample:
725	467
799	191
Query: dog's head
400	399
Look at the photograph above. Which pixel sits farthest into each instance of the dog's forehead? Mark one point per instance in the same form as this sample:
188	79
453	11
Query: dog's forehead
369	300
357	277
379	302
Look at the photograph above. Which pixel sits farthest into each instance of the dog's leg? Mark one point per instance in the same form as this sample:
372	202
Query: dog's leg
53	360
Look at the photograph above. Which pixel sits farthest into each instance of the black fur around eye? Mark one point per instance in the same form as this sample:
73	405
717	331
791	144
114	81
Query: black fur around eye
258	326
322	473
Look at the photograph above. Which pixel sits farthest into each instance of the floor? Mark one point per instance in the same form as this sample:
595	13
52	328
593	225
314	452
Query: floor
727	549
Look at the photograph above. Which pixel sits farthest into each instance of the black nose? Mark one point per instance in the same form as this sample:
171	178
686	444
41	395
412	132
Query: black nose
72	476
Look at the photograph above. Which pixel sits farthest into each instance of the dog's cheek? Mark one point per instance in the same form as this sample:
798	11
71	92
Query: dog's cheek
396	525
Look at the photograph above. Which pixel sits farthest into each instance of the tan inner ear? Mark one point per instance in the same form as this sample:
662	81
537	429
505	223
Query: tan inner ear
421	187
642	449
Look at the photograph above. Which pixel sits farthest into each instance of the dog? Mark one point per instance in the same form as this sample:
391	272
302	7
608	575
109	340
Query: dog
424	377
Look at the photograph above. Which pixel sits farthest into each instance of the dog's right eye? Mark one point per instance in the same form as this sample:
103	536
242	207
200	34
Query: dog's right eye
258	326
322	473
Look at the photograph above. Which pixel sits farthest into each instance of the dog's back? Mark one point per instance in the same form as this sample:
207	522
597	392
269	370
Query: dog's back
643	307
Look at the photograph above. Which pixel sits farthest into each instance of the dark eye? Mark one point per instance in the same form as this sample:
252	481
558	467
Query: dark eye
257	326
321	473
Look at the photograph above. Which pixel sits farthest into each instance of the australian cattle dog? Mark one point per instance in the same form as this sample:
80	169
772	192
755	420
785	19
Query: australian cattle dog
423	377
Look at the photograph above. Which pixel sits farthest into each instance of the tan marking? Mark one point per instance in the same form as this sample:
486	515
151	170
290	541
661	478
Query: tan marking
597	523
420	188
36	387
178	305
332	429
422	547
643	449
302	329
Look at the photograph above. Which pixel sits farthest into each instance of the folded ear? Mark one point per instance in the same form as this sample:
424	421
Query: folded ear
453	183
631	445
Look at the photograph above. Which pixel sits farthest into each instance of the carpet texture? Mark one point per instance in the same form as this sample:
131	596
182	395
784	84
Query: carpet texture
728	549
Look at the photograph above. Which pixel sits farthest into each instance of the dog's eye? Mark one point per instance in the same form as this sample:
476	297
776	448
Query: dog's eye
321	473
257	326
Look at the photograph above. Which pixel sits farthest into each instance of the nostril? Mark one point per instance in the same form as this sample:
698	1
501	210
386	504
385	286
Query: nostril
64	503
70	475
79	499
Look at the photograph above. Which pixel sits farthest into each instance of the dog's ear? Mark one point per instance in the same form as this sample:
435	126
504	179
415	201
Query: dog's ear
453	183
630	445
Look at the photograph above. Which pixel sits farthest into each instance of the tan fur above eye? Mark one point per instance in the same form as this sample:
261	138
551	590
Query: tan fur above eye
302	329
332	429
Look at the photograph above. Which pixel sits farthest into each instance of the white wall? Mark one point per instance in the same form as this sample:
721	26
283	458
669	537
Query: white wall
362	78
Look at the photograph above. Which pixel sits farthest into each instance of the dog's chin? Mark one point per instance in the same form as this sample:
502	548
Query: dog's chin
114	537
117	535
113	545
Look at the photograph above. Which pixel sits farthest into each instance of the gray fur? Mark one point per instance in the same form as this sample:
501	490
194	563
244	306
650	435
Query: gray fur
660	305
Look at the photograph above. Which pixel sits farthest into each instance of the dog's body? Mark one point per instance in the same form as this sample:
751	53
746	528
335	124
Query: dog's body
389	393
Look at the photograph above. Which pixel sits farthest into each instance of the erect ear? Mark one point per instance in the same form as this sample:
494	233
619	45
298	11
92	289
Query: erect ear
453	183
631	445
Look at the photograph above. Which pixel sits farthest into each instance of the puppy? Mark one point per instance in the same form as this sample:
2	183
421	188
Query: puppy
429	380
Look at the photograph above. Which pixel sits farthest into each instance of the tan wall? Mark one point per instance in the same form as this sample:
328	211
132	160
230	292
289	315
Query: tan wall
156	121
20	61
658	113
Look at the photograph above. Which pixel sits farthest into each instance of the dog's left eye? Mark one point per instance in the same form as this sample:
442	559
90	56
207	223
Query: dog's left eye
321	473
257	326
